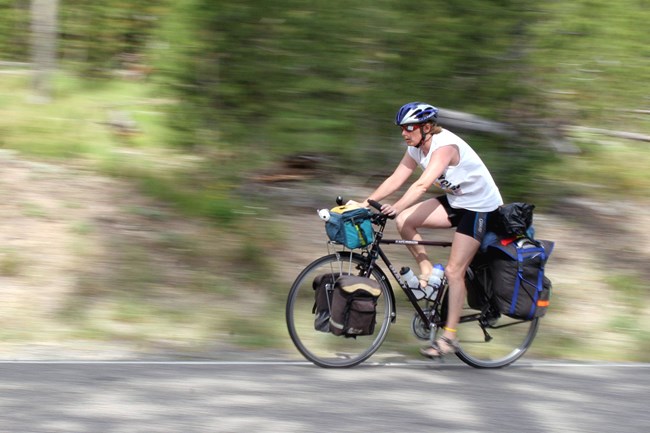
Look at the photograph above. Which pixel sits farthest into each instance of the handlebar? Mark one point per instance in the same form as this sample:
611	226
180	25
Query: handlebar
377	206
373	203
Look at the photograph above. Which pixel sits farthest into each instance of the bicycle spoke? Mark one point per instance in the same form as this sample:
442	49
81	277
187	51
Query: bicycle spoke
499	342
323	348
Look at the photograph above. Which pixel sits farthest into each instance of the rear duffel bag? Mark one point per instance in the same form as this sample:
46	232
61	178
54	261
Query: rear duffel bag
323	288
354	304
514	219
519	288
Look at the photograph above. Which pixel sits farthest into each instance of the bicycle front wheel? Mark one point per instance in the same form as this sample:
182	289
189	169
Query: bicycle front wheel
323	348
495	341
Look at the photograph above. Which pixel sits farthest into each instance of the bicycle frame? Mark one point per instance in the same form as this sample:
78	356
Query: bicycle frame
376	251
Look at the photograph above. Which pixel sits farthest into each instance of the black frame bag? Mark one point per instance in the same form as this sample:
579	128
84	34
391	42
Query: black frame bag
354	304
519	287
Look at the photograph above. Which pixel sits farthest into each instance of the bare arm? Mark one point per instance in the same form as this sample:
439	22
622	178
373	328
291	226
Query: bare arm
393	182
440	160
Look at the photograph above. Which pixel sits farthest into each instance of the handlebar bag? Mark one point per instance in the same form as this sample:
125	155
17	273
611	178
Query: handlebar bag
354	304
350	226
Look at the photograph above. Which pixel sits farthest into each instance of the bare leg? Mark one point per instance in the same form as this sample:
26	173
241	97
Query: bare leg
462	252
429	214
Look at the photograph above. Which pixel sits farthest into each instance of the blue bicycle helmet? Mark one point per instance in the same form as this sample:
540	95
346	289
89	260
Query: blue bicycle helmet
416	112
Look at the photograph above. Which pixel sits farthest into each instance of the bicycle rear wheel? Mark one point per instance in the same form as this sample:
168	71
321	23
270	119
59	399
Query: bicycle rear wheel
495	341
323	348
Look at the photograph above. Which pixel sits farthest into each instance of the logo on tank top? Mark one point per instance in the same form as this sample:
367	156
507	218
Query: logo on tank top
447	186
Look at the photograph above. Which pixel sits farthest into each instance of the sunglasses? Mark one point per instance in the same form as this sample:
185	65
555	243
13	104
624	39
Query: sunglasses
410	128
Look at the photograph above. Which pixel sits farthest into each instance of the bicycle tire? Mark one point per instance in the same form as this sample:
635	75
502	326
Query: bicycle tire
323	348
510	339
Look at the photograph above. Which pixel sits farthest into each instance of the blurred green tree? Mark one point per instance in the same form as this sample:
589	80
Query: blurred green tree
44	36
91	35
305	75
14	30
98	37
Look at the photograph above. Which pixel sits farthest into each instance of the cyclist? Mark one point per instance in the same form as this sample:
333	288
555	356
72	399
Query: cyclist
469	203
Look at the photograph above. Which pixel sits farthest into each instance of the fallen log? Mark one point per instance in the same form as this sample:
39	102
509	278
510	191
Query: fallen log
619	134
470	122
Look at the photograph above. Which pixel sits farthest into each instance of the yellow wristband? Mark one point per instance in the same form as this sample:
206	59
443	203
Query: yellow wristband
449	329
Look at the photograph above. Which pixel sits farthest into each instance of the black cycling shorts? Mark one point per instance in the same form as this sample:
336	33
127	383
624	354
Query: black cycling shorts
468	222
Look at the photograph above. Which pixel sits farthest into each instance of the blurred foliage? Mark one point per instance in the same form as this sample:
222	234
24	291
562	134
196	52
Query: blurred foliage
94	36
255	82
592	60
302	76
14	30
97	37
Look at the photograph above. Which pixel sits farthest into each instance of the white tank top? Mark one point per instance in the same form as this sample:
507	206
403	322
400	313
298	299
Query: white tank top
469	184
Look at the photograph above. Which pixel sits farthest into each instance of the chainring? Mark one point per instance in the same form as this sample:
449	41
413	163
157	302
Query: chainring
419	328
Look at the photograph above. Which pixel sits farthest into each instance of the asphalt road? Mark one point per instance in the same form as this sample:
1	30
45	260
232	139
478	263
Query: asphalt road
277	396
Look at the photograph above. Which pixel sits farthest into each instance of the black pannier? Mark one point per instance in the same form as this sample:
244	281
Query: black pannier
477	282
353	307
520	289
323	288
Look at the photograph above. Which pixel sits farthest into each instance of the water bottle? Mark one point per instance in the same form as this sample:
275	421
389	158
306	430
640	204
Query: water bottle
435	280
412	282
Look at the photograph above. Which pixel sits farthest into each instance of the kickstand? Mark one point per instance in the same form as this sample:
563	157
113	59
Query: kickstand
488	337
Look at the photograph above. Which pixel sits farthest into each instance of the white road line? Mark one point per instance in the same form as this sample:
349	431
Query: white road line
530	364
126	362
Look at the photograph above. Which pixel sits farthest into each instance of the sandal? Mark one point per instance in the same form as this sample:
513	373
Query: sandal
448	346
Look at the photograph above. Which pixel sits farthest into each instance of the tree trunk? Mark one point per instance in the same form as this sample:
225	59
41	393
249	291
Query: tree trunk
44	37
